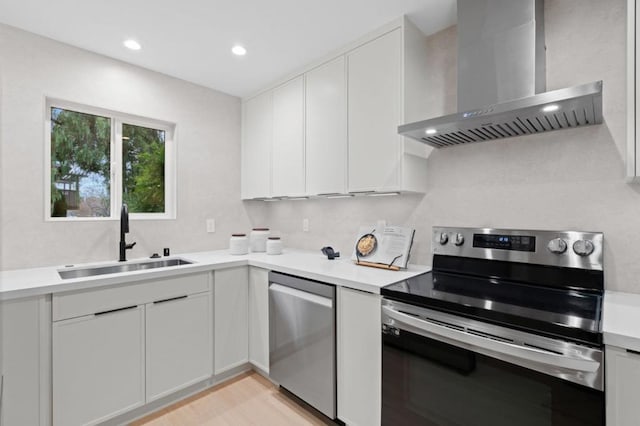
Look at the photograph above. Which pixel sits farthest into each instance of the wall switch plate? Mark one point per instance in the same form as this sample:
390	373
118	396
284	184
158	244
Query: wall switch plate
305	225
211	225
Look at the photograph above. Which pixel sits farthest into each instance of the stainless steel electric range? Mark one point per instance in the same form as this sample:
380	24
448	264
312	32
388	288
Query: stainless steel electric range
505	330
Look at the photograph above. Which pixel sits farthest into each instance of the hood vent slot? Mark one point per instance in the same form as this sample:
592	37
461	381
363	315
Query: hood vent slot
573	107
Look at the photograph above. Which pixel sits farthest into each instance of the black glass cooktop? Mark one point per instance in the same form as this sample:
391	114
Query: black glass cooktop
556	311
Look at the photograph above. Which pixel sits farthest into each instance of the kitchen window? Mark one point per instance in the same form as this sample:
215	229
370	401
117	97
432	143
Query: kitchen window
98	159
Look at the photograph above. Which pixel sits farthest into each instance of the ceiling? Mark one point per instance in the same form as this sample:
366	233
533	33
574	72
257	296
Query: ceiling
191	39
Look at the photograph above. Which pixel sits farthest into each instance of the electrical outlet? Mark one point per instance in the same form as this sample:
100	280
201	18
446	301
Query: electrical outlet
305	225
380	225
211	225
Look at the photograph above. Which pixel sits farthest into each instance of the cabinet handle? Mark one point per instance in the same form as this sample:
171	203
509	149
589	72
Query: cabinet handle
115	310
631	351
170	299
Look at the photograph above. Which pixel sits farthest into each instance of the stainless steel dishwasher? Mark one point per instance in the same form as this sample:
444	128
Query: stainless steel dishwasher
302	339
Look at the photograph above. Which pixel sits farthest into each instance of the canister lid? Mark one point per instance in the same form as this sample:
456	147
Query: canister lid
274	238
260	229
238	235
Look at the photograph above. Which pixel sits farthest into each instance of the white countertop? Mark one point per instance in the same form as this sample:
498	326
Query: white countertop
621	311
621	320
308	264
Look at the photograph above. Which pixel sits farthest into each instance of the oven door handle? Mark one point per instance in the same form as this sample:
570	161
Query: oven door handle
488	346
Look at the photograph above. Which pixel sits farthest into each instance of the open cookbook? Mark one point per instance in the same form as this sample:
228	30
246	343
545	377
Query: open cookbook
389	246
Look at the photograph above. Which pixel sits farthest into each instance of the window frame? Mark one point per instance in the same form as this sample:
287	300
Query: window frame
116	173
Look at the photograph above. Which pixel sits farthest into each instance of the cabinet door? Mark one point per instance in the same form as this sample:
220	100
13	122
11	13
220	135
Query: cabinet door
259	318
326	128
179	338
231	318
98	366
374	87
287	158
623	386
257	134
359	357
25	333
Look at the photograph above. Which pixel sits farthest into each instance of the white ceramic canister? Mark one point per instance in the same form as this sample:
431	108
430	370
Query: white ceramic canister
258	240
274	245
238	244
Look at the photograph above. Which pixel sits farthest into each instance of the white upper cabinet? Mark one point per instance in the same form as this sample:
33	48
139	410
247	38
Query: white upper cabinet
287	159
257	137
326	128
375	113
388	86
334	128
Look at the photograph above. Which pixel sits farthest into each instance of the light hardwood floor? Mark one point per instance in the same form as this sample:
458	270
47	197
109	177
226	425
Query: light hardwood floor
249	399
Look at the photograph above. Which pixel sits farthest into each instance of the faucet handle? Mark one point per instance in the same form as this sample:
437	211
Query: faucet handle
130	246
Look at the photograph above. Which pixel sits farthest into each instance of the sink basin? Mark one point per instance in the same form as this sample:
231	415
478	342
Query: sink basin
66	274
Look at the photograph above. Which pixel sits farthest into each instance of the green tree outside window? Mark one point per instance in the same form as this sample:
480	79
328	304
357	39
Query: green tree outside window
81	166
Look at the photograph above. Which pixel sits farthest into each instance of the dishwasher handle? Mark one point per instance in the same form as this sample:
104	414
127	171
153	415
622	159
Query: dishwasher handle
309	297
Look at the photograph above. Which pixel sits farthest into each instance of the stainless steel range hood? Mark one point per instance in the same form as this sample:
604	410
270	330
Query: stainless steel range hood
501	74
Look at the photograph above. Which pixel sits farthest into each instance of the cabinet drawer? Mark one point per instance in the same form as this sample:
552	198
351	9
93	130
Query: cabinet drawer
90	301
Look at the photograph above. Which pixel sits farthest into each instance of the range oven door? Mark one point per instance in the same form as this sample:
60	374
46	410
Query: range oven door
441	369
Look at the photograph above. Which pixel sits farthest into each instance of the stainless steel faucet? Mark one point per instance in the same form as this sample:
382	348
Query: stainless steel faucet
124	229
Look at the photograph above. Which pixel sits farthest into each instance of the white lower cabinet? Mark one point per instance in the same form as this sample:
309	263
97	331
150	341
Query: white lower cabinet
179	344
231	318
25	330
359	356
259	318
98	366
120	347
622	386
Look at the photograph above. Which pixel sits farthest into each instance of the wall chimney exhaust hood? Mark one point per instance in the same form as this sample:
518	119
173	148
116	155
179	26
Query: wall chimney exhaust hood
501	80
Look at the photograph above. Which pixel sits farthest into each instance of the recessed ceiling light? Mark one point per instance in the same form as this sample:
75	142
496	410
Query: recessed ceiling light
551	108
132	44
431	131
238	50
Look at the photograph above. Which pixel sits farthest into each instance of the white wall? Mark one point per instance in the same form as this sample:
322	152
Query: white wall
208	151
572	179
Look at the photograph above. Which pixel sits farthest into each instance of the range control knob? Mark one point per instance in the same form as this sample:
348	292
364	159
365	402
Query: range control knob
557	246
444	237
583	247
458	239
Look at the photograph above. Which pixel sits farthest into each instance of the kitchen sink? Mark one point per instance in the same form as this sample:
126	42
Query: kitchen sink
66	274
